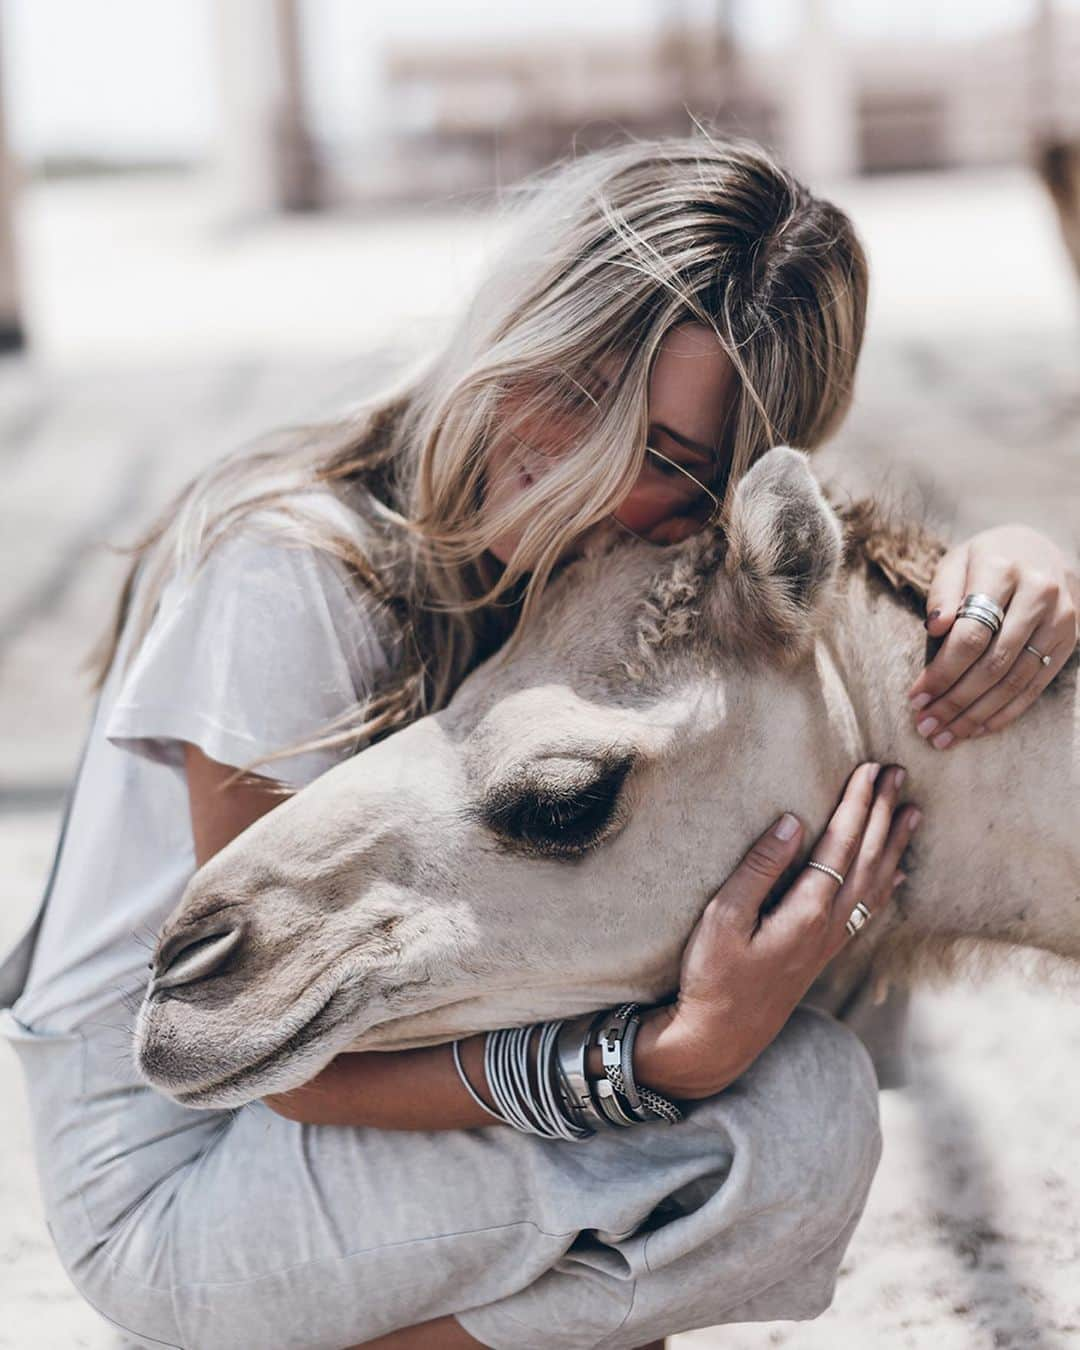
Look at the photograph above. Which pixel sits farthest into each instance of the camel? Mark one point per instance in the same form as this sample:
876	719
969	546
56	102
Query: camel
544	844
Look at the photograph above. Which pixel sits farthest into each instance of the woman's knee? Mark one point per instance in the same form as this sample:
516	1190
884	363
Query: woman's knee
806	1113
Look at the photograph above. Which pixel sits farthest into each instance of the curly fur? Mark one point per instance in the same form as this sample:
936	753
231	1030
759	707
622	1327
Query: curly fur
672	605
903	554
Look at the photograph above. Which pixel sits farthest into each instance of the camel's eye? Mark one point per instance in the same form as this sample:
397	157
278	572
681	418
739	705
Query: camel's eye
556	818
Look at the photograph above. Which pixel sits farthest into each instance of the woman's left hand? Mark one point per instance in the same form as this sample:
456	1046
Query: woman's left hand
980	682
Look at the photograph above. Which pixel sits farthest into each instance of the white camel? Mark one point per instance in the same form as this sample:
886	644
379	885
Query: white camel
545	843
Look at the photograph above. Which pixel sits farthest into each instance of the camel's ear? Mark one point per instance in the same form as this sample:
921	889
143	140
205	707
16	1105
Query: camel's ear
784	546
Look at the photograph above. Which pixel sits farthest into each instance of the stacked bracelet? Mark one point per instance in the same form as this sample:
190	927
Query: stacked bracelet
616	1046
574	1041
563	1103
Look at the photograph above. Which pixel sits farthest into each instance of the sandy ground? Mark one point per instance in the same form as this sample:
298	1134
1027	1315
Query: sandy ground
161	342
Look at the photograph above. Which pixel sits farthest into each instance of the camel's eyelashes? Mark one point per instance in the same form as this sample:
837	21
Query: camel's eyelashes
557	819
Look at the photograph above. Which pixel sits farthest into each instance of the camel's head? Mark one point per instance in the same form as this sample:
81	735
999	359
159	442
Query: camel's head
545	843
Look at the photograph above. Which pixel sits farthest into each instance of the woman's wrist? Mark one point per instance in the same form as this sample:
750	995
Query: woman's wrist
657	1059
671	1062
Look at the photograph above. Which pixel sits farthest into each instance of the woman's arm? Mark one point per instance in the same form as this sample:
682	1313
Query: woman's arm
220	809
420	1089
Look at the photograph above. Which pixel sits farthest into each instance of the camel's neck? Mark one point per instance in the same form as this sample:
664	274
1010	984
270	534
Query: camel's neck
998	854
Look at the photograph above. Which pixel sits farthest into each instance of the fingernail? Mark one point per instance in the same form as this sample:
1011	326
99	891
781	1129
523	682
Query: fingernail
934	614
914	819
979	731
786	827
927	725
919	701
944	740
899	879
901	774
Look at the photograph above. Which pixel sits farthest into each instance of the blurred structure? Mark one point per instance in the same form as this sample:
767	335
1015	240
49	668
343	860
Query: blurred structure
11	329
1056	129
322	102
266	158
469	116
1058	162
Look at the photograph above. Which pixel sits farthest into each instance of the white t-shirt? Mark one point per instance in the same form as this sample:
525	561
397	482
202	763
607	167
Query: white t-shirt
258	650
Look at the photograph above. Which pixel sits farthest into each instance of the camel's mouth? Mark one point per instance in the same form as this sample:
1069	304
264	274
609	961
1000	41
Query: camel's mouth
235	1089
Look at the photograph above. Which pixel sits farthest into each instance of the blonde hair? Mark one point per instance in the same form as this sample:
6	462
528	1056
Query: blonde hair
606	254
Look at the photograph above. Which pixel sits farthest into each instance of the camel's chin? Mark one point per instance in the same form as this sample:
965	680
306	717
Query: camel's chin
284	1065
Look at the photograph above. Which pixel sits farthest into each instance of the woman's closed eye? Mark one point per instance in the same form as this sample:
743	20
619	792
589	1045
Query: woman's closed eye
667	469
675	458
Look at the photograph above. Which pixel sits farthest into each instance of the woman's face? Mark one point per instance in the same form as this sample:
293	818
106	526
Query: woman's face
690	389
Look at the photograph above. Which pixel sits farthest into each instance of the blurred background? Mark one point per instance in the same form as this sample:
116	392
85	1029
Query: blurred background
220	215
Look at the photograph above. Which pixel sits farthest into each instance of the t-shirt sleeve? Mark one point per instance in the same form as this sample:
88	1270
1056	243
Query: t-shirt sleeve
257	651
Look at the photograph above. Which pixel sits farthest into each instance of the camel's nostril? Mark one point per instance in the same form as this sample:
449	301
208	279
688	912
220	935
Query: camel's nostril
195	959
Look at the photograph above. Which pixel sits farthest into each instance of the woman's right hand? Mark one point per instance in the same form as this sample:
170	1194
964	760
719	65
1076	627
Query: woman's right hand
744	971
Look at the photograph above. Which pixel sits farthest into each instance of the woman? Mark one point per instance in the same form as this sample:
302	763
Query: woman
664	313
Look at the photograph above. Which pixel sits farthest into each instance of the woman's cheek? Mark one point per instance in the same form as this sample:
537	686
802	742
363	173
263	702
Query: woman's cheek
502	485
640	512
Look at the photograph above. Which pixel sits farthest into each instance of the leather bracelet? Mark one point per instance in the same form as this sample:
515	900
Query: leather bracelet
620	1070
616	1039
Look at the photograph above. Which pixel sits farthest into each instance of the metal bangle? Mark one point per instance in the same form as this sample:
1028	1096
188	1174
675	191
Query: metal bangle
547	1070
605	1101
526	1090
572	1049
469	1087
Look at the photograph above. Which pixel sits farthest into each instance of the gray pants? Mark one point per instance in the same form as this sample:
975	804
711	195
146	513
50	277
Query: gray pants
245	1231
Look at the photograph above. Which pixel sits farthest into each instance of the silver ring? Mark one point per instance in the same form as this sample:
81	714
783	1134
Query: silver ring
1035	652
984	610
824	867
983	616
981	601
859	918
